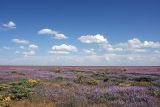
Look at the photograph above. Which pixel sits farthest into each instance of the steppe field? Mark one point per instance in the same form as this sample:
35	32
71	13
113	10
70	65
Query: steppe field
79	86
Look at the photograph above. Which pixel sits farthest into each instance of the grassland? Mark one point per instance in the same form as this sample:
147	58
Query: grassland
39	86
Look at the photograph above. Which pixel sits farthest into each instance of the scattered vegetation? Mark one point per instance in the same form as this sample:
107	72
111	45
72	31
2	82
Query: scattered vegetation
144	79
124	84
92	82
103	88
55	70
80	77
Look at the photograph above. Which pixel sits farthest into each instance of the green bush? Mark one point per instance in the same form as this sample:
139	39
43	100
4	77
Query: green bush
19	92
17	73
80	77
55	70
106	79
144	83
143	79
21	89
4	87
92	82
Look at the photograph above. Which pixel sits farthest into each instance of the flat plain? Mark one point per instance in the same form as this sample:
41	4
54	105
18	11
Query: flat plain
79	86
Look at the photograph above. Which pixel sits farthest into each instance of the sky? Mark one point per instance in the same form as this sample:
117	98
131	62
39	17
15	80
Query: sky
80	32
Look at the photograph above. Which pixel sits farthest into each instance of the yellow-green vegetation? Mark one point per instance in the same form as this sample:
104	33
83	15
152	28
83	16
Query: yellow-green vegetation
16	91
144	79
17	73
124	84
92	82
32	82
5	101
4	87
80	77
55	70
144	83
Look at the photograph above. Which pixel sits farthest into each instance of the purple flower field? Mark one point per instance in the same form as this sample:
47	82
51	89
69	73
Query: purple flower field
67	86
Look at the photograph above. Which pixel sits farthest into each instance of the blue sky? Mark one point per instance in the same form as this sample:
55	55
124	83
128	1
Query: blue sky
79	32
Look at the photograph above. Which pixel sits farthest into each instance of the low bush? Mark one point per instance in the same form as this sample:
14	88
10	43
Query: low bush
55	70
92	82
21	89
143	83
124	84
80	77
144	79
19	92
32	82
106	79
17	73
4	87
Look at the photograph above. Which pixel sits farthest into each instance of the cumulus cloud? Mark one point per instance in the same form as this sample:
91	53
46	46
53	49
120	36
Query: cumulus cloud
20	41
47	32
93	39
28	53
109	48
54	34
90	51
136	45
60	36
63	49
10	25
32	47
21	47
31	51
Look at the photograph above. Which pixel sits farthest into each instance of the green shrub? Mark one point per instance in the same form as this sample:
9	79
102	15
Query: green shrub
14	72
124	69
106	79
80	77
4	87
55	70
92	82
144	79
124	84
17	73
19	92
144	83
21	89
5	101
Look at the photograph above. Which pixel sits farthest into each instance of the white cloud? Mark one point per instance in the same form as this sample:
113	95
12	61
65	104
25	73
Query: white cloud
28	53
20	41
21	47
151	44
109	48
58	52
10	25
60	36
31	50
77	60
33	47
46	32
93	39
54	34
63	49
135	45
89	51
